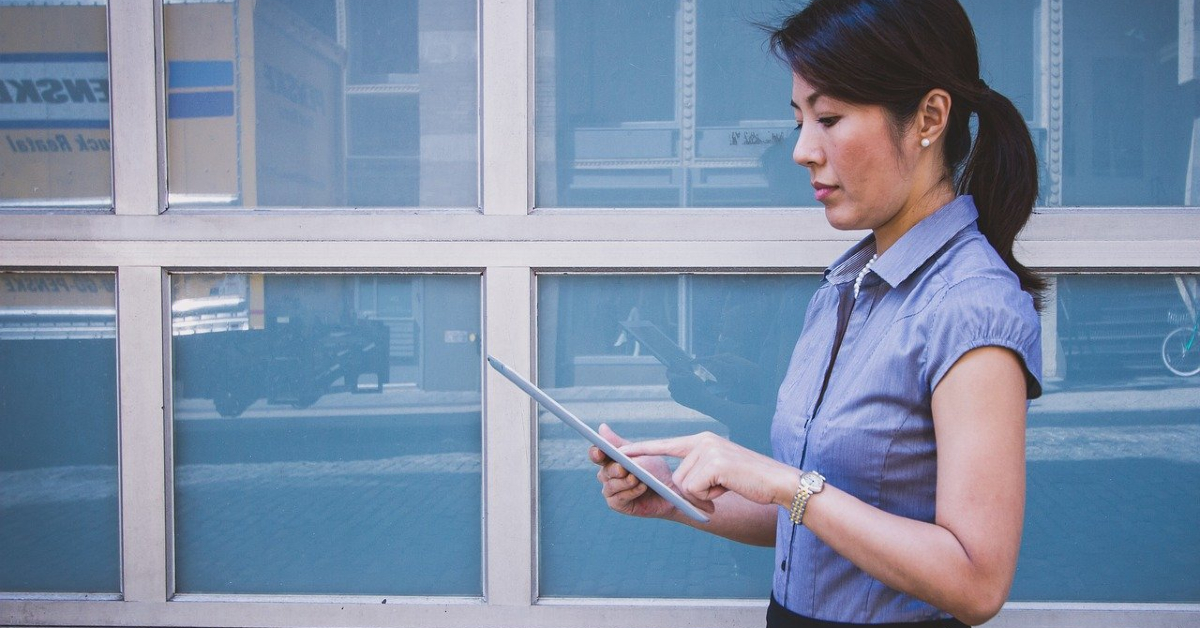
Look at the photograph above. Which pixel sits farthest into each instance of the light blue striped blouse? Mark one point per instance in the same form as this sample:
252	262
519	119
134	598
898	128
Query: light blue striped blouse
938	292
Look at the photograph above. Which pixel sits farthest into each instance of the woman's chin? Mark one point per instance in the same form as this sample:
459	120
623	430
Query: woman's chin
841	220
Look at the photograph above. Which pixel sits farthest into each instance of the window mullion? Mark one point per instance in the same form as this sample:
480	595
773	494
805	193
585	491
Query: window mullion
136	109
141	428
505	107
509	456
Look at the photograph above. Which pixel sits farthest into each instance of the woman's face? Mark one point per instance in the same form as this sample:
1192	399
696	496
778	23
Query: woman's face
857	171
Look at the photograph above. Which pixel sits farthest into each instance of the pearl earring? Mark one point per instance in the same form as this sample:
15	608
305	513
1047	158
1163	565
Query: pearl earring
924	142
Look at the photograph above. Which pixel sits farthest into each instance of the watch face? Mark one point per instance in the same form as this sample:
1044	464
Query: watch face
812	481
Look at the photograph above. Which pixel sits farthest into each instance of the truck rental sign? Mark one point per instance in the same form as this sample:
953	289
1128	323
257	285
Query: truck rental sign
54	106
54	90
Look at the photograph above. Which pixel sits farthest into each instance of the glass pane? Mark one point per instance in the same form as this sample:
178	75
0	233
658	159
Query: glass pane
323	446
54	105
1114	445
662	103
58	434
1130	112
321	103
743	329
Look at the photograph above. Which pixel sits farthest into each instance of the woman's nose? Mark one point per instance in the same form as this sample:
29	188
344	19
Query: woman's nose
806	153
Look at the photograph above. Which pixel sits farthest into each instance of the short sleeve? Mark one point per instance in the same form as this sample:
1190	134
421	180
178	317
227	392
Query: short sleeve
982	312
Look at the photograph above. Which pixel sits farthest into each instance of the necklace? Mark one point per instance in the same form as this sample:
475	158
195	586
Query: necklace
863	273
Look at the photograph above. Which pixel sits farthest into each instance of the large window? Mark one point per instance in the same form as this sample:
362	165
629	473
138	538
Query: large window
662	103
58	434
251	389
333	103
319	446
54	103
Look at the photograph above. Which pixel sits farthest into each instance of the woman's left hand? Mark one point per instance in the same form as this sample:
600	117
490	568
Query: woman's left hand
712	466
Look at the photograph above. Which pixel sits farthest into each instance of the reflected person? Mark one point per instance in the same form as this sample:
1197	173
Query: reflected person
759	323
896	489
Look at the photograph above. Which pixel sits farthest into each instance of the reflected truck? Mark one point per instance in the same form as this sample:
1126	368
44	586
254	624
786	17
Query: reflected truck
243	338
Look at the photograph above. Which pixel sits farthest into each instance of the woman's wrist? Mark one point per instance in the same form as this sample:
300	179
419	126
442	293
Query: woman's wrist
786	484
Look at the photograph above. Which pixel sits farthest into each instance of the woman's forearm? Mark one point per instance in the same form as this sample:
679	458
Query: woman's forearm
925	560
738	519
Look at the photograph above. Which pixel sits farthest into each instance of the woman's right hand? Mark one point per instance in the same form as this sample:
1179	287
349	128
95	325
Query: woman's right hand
623	491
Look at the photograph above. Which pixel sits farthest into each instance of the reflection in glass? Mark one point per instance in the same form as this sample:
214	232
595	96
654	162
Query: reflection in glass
58	434
677	103
54	103
1114	446
321	103
1129	111
327	434
743	329
663	103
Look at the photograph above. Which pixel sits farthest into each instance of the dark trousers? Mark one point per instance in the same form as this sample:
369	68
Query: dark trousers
780	617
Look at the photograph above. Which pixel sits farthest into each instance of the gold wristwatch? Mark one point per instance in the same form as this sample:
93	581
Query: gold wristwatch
811	483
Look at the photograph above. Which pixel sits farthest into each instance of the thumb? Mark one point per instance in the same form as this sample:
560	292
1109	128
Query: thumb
611	436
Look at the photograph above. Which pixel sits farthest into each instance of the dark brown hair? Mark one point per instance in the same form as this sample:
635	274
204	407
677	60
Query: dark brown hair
892	53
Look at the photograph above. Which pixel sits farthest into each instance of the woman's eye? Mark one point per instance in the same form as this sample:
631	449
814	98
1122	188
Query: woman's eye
828	121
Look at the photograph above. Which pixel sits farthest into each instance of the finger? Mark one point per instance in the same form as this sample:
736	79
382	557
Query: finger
597	456
612	487
706	504
616	487
621	483
615	470
675	447
697	479
622	499
680	476
691	479
702	499
611	436
603	477
702	486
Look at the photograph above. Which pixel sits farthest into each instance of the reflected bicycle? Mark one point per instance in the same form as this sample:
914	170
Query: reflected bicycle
1181	347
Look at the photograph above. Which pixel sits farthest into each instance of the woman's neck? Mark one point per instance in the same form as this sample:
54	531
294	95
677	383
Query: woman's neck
916	210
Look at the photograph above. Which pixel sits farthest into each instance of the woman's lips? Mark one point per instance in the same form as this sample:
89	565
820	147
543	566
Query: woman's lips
823	191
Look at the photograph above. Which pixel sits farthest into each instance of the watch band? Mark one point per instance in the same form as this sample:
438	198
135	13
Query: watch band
811	483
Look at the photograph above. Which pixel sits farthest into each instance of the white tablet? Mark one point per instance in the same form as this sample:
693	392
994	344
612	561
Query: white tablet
596	439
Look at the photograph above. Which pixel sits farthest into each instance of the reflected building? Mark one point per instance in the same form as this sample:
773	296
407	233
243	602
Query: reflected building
320	104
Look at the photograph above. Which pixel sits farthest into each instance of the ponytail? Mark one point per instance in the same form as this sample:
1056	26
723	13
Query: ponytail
1001	174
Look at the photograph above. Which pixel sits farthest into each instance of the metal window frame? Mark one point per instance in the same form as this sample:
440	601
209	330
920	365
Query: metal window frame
509	242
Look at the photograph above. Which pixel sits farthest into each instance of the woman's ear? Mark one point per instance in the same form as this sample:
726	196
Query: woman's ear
933	114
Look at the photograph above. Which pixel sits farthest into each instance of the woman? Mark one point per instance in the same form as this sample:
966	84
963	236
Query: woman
896	491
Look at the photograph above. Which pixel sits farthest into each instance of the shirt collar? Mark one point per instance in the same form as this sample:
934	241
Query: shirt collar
913	248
